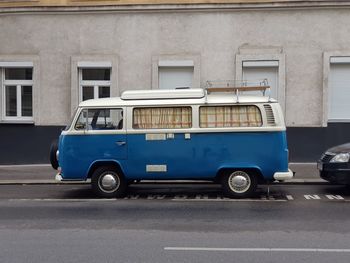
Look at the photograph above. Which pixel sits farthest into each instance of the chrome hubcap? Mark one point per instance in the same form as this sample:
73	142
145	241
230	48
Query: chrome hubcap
239	182
109	182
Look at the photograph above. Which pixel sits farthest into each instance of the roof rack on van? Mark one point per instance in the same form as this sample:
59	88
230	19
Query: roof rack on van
237	86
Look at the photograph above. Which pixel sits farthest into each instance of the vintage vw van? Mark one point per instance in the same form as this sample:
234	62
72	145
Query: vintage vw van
214	134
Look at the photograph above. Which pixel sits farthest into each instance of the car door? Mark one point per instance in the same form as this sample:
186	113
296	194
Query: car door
160	145
100	136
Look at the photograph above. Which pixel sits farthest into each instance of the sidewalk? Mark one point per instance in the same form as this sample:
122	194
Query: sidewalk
44	174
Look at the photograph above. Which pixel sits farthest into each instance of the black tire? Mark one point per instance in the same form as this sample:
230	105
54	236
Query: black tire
115	184
53	157
239	183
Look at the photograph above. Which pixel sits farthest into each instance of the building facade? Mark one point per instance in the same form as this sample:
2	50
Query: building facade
54	54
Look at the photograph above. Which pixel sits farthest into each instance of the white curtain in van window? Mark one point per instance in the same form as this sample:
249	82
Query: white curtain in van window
162	118
230	116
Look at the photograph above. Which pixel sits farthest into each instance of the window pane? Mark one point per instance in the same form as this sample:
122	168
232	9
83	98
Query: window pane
81	122
162	118
339	92
101	119
229	116
175	77
27	101
103	92
88	92
96	74
19	73
11	100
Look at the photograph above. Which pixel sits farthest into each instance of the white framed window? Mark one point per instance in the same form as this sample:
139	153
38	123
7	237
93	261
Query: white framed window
258	70
258	66
94	83
339	89
100	77
172	72
17	91
175	77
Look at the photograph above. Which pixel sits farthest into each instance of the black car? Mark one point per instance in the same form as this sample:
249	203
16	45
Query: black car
334	165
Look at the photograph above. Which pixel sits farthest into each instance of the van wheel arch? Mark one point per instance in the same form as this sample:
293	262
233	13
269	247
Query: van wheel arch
97	165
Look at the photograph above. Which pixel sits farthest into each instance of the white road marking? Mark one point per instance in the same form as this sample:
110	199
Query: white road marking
202	197
185	198
180	197
263	197
133	197
157	197
289	197
227	200
314	197
214	249
336	197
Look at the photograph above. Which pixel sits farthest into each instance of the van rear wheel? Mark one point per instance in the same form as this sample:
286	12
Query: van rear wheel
239	184
107	182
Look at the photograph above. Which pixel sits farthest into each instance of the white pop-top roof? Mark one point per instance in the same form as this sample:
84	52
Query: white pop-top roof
173	97
163	94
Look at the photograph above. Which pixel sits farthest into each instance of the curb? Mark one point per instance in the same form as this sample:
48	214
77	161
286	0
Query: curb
38	182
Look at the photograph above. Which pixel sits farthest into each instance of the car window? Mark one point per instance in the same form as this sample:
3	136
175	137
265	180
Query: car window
162	118
229	116
100	119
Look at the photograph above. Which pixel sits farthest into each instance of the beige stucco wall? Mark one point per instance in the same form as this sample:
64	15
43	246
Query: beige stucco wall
216	37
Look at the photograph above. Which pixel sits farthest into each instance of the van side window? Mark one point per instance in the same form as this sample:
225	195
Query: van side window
162	118
100	119
229	116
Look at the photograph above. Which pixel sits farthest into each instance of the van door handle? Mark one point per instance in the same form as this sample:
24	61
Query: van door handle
120	143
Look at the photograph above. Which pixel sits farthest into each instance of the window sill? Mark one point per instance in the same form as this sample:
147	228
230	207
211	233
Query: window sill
17	122
338	120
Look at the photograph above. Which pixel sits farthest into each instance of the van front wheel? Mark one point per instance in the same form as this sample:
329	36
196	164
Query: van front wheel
239	184
108	183
53	154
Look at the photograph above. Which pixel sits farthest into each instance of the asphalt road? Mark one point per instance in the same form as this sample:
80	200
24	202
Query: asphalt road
182	223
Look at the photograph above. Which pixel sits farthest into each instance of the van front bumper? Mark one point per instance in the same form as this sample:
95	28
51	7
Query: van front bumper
58	177
281	176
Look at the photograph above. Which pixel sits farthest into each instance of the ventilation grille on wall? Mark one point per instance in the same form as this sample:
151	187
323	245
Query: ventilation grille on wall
269	115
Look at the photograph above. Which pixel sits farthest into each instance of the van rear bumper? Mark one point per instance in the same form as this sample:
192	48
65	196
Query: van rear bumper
281	176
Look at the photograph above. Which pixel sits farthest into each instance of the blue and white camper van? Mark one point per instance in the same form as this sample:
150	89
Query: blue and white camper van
216	134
